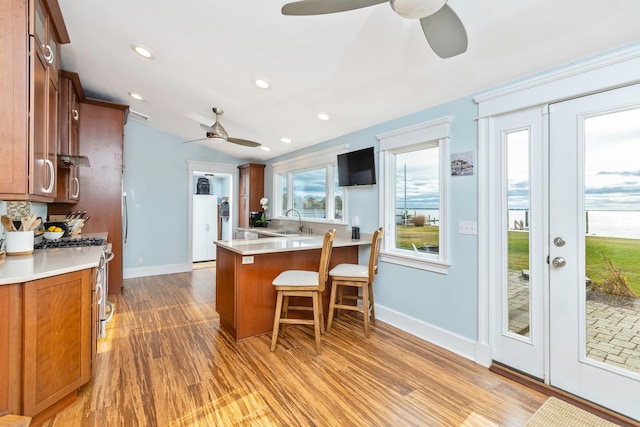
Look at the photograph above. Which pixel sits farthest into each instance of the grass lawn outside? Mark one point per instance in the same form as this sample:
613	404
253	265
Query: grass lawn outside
625	253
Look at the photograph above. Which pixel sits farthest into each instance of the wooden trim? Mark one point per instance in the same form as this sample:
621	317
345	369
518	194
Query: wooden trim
100	103
75	79
55	14
588	406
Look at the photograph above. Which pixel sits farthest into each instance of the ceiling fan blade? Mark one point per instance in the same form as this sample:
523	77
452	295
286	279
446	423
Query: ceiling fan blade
194	140
244	142
445	33
320	7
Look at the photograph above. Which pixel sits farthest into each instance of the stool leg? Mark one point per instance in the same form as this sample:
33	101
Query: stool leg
332	305
316	320
321	310
365	306
285	311
276	321
373	307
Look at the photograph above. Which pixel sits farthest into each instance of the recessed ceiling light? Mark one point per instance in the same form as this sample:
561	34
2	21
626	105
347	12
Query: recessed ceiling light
136	96
286	140
323	116
143	51
261	83
262	147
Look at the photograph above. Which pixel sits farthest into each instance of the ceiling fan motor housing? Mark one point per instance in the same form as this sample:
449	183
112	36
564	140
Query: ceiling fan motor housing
416	9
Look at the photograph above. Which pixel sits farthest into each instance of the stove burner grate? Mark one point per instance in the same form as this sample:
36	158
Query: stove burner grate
70	242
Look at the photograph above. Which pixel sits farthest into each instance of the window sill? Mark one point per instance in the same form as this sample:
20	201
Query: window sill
415	262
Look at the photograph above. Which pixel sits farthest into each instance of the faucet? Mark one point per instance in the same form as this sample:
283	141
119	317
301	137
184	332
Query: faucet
299	217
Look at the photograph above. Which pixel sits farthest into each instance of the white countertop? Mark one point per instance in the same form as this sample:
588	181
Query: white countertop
286	244
49	262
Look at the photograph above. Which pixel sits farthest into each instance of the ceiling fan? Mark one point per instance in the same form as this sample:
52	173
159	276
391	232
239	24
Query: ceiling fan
441	26
217	133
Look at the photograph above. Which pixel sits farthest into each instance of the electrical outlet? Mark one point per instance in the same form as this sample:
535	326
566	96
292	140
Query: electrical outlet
247	259
468	227
140	260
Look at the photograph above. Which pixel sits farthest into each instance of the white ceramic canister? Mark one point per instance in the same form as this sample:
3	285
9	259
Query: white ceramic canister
19	242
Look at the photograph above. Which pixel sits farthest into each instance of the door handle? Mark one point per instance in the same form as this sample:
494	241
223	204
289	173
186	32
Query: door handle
559	242
559	262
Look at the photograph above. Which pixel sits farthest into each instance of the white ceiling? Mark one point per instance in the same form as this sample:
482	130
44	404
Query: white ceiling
361	67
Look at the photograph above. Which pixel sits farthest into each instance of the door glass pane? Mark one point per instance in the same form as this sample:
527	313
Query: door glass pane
612	240
337	194
282	178
518	204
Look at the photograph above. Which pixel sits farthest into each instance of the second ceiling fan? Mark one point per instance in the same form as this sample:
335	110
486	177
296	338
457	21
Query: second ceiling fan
441	26
217	132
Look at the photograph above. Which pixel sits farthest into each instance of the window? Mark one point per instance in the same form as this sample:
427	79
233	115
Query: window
413	195
309	184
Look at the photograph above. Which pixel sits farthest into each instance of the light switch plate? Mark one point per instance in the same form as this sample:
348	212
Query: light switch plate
468	227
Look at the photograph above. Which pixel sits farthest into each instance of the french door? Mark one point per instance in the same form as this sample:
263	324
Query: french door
570	247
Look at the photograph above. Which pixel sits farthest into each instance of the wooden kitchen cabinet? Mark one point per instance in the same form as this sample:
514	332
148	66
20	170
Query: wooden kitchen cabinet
70	96
10	349
57	341
251	190
30	34
102	140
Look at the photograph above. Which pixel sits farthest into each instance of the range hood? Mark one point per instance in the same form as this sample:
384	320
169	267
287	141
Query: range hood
67	161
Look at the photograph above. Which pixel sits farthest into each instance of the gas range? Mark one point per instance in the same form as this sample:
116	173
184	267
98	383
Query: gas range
70	242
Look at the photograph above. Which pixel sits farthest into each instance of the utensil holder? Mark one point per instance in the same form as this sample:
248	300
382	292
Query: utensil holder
19	242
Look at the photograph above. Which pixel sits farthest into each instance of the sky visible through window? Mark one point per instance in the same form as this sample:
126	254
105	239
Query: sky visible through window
420	183
612	163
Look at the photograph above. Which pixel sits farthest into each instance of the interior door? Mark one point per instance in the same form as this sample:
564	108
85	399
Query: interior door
594	248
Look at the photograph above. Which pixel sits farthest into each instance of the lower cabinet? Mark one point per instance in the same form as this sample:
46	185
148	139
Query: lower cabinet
10	348
46	343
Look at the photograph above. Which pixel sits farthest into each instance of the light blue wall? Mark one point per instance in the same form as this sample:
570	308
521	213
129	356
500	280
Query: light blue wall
445	301
156	180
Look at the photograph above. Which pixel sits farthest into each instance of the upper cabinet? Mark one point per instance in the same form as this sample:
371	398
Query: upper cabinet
30	108
251	190
70	95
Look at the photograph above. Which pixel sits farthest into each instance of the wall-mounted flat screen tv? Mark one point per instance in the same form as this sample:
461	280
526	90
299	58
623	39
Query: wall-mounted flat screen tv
357	168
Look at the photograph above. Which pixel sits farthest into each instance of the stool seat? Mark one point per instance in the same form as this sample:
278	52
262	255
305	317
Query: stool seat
350	270
297	278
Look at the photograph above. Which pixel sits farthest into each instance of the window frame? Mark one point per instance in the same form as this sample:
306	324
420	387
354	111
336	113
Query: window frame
324	159
416	137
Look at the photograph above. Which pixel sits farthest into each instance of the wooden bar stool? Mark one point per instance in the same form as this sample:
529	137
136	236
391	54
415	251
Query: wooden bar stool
301	283
359	276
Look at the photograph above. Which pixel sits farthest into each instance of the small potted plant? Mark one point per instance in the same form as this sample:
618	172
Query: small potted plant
262	222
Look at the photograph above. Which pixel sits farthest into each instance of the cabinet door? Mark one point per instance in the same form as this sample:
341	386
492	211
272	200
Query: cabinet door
243	214
57	338
10	348
39	178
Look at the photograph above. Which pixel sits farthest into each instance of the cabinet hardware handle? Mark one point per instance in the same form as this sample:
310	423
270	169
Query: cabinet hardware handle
74	114
52	176
76	191
49	55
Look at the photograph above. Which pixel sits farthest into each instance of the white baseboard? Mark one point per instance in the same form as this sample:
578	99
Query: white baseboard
156	270
455	343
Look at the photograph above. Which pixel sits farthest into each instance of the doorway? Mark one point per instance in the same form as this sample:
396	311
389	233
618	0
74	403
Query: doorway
212	208
566	279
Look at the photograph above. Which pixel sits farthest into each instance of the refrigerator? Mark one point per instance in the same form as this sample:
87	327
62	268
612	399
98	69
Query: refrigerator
205	227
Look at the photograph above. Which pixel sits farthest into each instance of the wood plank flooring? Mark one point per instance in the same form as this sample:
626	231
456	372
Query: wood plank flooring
166	362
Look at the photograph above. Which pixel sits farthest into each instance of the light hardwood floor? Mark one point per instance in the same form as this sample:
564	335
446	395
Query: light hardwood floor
166	362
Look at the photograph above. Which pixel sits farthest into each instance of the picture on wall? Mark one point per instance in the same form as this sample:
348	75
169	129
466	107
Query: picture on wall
462	164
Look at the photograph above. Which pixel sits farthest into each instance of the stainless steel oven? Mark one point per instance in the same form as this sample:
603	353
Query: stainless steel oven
105	308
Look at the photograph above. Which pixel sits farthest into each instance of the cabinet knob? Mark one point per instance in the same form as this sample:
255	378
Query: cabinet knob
74	114
49	55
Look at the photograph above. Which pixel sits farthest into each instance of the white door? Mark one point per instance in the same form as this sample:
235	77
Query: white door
594	240
516	238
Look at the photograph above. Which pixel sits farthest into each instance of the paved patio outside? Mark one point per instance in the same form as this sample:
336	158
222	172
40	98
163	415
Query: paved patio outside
613	323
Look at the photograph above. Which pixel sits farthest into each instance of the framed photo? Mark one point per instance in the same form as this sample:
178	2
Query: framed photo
462	164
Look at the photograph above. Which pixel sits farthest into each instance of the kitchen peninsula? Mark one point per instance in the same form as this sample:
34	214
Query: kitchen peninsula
245	297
